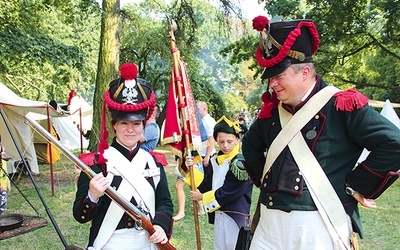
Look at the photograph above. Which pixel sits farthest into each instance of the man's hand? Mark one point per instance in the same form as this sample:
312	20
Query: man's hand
206	160
368	203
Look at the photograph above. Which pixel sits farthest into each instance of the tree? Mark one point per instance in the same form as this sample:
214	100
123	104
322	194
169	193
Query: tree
45	46
199	37
359	41
108	64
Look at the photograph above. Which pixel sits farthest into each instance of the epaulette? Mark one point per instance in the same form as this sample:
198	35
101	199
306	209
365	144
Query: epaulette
159	158
238	169
88	158
350	100
269	103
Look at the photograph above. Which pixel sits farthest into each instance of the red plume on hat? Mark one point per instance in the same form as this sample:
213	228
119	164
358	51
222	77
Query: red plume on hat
128	71
260	22
70	96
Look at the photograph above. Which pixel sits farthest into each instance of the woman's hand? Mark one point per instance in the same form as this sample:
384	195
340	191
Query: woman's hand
97	185
158	236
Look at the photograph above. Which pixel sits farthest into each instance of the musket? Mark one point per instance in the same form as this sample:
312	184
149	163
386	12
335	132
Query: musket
134	212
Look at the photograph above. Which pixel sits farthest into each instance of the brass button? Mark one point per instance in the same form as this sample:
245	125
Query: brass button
316	116
83	217
297	179
265	184
296	187
87	206
129	224
84	211
270	204
129	219
270	198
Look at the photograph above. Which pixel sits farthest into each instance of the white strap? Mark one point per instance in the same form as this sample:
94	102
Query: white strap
324	196
117	164
151	172
296	123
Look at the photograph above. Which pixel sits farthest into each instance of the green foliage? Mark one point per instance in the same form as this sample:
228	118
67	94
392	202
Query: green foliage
48	44
359	41
199	37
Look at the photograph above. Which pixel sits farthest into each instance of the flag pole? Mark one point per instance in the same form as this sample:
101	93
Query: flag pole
177	79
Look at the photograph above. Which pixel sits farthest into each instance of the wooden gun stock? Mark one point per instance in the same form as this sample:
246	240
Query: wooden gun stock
128	207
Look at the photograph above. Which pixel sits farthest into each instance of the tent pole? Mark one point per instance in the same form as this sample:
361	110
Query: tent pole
80	128
33	181
51	152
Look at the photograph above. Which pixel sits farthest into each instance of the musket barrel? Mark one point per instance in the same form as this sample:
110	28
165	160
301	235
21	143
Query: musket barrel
128	207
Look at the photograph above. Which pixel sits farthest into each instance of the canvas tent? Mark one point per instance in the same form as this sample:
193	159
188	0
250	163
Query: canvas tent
81	113
15	108
64	129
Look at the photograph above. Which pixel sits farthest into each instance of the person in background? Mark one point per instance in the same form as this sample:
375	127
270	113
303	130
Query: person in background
209	124
130	170
294	212
5	186
151	132
180	194
225	187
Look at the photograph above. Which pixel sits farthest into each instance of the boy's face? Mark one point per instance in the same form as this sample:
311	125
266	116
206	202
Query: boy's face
226	142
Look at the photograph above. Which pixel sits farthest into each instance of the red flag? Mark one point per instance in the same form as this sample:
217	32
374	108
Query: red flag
173	132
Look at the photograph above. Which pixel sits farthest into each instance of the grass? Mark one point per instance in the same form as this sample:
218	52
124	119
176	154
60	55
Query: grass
381	225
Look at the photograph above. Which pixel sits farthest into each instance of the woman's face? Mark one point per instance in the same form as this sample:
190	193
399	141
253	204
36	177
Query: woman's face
128	132
226	142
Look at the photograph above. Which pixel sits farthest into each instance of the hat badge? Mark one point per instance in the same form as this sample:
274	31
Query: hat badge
129	94
266	43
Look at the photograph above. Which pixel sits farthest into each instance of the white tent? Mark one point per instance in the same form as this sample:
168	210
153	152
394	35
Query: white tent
381	104
388	112
81	113
14	109
68	134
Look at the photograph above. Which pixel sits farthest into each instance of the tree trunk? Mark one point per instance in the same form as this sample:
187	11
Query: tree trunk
108	65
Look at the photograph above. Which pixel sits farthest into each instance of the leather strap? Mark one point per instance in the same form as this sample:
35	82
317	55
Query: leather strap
324	196
322	192
296	123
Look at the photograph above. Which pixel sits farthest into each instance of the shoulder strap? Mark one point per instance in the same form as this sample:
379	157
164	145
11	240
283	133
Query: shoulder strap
296	123
322	192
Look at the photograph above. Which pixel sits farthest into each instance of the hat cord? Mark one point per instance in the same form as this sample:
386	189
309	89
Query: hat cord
290	40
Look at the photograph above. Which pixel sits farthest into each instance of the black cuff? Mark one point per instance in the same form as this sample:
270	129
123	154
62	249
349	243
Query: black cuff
389	179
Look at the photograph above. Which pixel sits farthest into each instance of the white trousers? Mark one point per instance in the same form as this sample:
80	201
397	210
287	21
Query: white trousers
129	239
225	232
297	230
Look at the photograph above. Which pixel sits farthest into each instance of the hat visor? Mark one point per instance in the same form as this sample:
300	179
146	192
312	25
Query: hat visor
128	116
277	69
